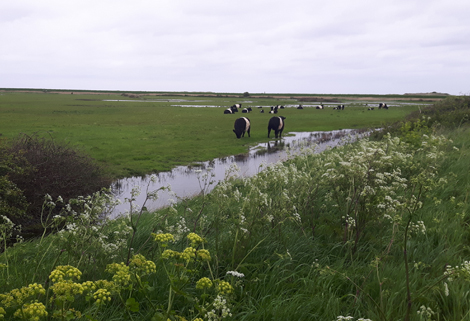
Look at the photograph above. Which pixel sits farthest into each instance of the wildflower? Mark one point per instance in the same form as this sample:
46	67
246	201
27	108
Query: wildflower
235	273
121	276
425	312
203	283
188	254
163	238
203	255
446	289
195	239
141	266
224	287
102	296
63	272
31	311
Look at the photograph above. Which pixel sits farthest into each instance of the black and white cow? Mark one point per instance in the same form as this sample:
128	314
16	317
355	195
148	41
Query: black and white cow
383	105
228	111
262	111
276	124
274	109
371	108
246	110
241	126
234	109
320	107
300	107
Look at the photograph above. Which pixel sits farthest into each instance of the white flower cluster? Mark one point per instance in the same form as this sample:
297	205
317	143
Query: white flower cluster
220	309
425	312
235	273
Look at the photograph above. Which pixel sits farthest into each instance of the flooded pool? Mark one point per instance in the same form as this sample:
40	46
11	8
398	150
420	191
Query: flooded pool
187	181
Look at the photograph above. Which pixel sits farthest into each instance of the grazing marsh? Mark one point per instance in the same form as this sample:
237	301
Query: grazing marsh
137	136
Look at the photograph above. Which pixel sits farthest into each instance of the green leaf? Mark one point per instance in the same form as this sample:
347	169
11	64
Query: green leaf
132	305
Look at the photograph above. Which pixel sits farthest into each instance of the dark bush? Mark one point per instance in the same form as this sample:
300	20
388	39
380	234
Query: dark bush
51	168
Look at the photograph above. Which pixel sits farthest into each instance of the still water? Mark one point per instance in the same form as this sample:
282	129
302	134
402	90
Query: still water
188	181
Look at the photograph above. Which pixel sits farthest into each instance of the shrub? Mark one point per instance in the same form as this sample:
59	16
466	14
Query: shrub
48	167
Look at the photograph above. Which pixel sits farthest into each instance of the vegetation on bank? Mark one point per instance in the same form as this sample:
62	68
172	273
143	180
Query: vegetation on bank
374	230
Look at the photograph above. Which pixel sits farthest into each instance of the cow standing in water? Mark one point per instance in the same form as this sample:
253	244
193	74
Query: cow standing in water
241	126
276	124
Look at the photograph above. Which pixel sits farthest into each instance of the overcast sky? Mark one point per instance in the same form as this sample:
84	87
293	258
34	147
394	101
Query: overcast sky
292	46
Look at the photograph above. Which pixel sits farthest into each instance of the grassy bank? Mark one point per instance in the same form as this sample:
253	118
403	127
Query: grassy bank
136	136
374	230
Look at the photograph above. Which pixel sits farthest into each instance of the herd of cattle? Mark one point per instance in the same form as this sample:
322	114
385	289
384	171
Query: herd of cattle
242	125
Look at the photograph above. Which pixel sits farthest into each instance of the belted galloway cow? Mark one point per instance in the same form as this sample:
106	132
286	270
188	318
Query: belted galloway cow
276	124
241	126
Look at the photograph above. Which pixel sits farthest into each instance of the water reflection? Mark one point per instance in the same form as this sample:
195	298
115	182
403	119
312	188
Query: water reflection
186	181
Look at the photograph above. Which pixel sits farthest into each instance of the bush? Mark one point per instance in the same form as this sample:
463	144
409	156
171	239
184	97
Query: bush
48	167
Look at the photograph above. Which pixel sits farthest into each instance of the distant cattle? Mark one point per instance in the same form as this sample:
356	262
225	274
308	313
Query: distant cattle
234	109
300	107
276	124
282	107
339	107
262	111
274	109
246	110
383	105
320	107
241	126
371	108
228	111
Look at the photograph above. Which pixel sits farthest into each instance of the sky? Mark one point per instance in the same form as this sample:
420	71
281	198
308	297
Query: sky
255	46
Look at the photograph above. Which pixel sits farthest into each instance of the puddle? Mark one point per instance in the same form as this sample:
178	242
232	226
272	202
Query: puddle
187	181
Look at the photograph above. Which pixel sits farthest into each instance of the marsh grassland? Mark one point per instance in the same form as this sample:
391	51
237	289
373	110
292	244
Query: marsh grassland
136	136
374	230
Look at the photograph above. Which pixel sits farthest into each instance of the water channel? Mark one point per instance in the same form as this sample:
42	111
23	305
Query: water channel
187	181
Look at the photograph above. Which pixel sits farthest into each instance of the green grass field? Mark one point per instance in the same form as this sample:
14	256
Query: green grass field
135	137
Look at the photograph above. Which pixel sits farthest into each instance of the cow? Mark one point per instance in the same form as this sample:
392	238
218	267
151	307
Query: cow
371	108
300	107
234	109
274	110
246	110
320	107
241	126
228	111
276	124
262	111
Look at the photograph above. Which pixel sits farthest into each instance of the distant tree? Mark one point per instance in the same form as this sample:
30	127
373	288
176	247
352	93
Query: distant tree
246	94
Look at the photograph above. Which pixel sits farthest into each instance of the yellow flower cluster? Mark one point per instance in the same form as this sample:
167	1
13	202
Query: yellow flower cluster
141	266
186	255
121	276
63	272
203	283
18	296
88	286
203	255
195	239
102	296
163	238
224	287
32	311
198	319
2	313
66	290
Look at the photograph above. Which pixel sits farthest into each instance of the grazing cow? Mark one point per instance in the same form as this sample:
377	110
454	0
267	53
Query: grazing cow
228	111
276	124
320	107
241	126
300	107
342	107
